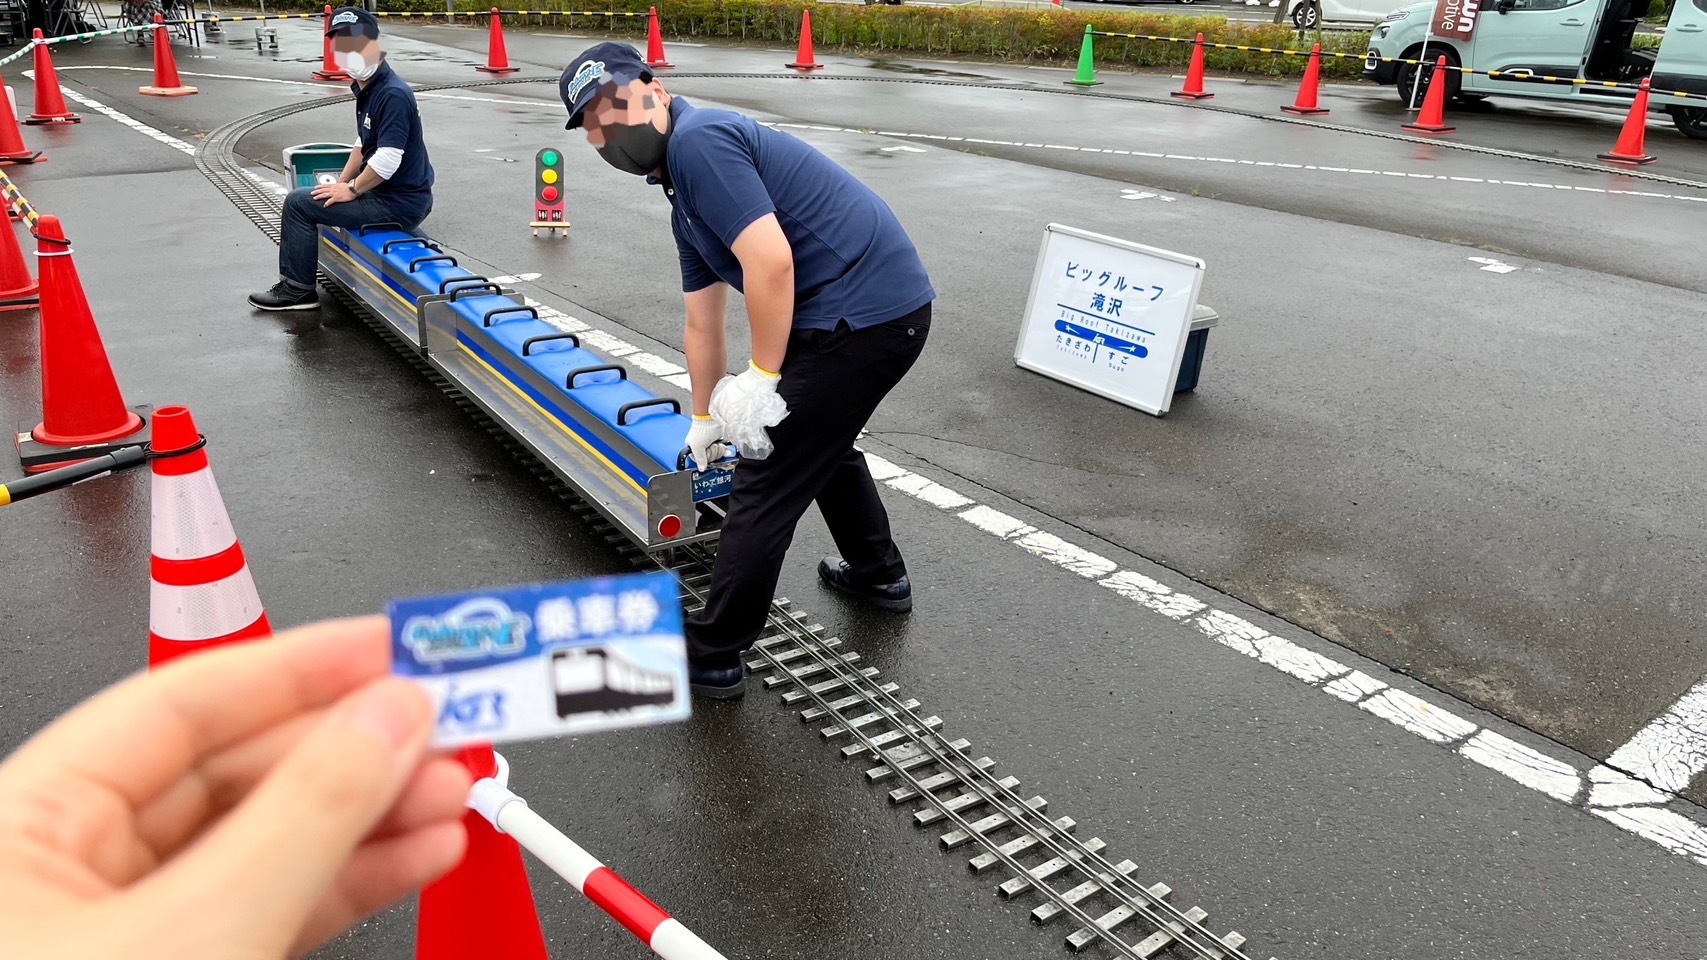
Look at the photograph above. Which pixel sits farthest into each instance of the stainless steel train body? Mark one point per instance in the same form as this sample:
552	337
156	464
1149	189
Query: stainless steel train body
602	428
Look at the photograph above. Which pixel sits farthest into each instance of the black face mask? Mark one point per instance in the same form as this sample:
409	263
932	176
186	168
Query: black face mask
638	149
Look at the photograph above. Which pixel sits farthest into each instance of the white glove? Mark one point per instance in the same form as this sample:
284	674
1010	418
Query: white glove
704	432
746	405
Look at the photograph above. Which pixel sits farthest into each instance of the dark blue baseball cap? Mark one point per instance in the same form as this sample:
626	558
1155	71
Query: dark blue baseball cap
353	20
603	63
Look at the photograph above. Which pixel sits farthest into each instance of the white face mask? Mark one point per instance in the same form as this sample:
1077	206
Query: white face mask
354	64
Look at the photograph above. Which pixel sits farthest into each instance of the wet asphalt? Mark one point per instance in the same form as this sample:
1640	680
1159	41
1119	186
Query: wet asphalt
1457	485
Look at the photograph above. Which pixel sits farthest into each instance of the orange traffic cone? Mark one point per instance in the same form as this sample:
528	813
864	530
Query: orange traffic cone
83	413
166	82
1194	76
17	288
497	58
1630	147
1432	118
483	908
654	41
1305	105
329	69
201	594
12	149
50	103
803	57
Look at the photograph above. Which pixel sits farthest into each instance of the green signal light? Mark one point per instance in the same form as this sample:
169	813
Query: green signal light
550	158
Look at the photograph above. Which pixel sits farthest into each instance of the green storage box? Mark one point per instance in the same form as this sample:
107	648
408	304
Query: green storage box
312	164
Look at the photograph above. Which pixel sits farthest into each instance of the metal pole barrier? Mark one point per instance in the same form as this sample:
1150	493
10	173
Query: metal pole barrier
1422	64
508	813
52	480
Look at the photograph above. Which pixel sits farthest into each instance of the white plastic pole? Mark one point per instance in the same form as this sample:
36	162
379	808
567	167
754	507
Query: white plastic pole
1422	58
510	814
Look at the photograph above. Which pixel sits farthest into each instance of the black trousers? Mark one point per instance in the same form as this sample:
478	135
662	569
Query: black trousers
832	381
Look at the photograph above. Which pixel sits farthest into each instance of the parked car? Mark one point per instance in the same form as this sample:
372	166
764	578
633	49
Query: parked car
1309	14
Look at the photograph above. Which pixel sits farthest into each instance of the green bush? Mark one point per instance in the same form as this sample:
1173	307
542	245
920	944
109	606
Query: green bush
1048	35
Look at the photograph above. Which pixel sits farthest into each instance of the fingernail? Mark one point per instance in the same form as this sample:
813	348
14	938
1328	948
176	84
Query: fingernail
392	710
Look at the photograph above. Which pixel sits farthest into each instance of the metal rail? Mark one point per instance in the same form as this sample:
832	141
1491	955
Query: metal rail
827	681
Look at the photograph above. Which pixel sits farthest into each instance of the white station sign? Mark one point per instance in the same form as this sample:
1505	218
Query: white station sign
1109	316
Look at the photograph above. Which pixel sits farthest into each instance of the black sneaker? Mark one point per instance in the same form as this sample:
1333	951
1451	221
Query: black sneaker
717	683
895	597
283	296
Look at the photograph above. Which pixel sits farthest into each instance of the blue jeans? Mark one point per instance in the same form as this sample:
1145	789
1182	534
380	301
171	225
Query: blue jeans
299	250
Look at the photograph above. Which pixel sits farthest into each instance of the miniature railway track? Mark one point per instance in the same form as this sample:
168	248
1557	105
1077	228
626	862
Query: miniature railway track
1109	909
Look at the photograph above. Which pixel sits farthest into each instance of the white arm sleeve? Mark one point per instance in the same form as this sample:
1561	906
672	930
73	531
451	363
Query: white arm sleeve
385	161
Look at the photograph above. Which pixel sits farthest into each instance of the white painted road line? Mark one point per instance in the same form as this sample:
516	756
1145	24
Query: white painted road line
125	119
1492	265
1303	167
1671	750
153	134
204	76
1600	790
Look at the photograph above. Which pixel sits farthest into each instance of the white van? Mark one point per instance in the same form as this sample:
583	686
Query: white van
1580	43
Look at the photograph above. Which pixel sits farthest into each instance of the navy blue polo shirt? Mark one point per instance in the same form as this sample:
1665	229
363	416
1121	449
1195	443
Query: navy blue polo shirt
386	116
852	260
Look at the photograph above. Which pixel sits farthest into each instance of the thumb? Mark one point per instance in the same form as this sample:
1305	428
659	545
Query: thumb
264	867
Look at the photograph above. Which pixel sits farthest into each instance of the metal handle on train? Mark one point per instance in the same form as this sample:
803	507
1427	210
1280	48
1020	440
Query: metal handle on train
486	321
385	247
684	460
569	382
362	230
420	260
474	283
622	411
527	345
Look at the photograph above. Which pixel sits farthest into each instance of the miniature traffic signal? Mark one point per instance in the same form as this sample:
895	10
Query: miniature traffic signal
548	192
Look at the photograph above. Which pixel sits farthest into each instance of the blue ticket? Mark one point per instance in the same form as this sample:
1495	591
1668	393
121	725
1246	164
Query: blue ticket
546	659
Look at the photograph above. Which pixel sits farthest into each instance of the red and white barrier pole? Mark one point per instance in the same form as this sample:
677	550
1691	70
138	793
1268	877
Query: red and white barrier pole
666	937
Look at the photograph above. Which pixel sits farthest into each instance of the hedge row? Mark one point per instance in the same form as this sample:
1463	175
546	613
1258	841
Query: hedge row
1048	35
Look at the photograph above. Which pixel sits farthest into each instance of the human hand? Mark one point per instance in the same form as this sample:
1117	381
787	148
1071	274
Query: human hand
704	432
330	193
746	405
247	802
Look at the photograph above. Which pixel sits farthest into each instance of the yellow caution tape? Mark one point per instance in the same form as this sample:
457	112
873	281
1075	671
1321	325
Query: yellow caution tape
569	13
15	199
269	16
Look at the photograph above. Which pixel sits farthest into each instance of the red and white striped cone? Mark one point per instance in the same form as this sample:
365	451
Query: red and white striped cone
663	934
201	594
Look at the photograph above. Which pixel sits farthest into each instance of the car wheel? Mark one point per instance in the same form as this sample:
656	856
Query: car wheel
1691	121
1421	76
1306	16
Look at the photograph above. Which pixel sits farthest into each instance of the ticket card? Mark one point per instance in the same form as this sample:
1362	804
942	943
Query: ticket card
546	659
